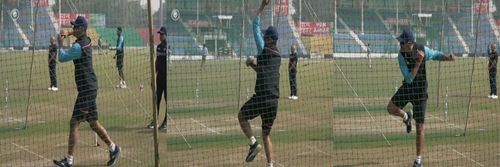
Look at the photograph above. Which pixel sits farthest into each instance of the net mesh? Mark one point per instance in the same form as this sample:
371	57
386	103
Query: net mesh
347	72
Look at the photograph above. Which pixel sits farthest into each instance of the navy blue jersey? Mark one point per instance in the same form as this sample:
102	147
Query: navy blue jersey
268	74
292	65
161	58
120	45
85	77
493	59
52	54
411	59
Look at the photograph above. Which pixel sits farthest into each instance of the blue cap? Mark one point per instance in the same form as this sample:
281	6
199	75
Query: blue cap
272	32
163	30
79	22
406	36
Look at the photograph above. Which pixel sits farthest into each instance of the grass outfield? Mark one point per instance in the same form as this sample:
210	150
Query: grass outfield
327	126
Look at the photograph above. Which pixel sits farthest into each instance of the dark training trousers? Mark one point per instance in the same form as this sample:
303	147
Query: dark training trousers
119	65
416	95
265	107
53	75
293	83
493	81
161	85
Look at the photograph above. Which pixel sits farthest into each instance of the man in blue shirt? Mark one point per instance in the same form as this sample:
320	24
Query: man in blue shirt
85	108
264	102
412	59
120	45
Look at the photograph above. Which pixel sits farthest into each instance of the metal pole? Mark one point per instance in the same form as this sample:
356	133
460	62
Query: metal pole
241	50
472	73
279	13
446	106
31	69
6	106
60	22
419	6
161	13
397	16
1	15
300	17
32	21
217	39
472	17
362	17
458	2
335	15
272	13
153	86
441	46
218	29
198	18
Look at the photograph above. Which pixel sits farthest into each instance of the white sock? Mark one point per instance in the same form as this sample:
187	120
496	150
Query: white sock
405	117
419	159
69	158
112	147
252	140
270	164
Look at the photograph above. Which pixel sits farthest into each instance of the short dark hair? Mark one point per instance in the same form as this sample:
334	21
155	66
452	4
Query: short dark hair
119	28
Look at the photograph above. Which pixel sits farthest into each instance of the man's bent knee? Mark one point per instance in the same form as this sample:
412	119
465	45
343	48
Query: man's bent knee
392	108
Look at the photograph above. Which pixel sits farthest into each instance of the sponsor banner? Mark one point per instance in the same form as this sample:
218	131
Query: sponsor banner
314	28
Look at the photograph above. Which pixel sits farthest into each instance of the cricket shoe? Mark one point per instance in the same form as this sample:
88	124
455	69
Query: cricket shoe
151	125
407	122
62	163
163	126
114	156
494	96
253	151
416	164
123	85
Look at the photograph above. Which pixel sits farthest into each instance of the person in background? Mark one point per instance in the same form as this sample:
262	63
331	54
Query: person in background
204	55
120	49
292	73
52	64
492	70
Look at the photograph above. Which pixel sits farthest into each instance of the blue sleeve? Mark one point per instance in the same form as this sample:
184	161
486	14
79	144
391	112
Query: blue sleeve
75	52
120	44
404	69
257	34
433	55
